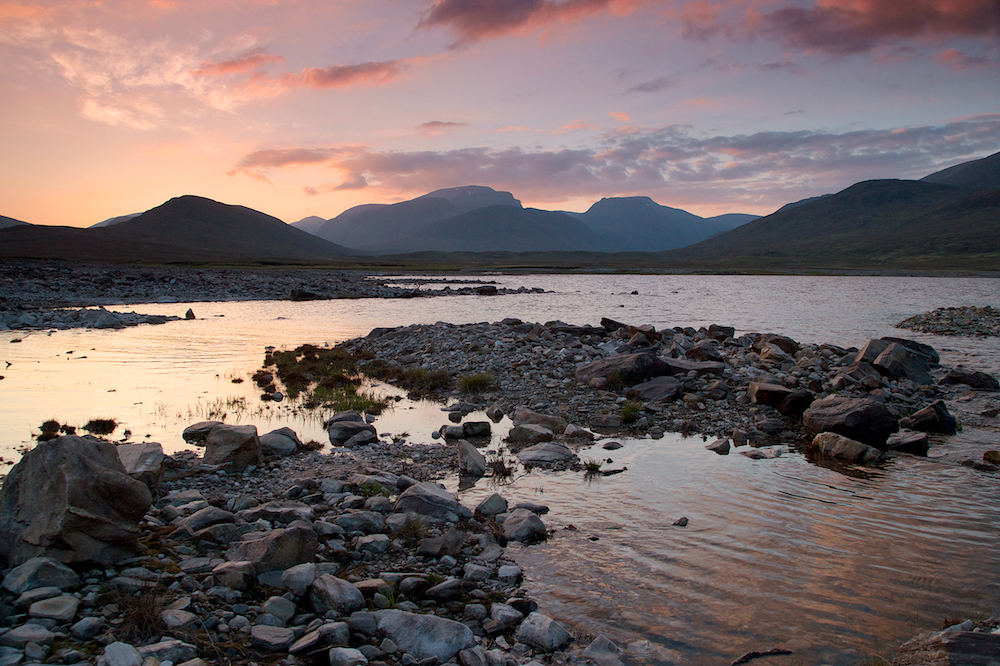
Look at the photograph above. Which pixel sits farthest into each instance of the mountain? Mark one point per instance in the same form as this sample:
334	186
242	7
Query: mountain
500	228
186	228
872	224
310	225
10	222
640	224
111	221
980	175
373	227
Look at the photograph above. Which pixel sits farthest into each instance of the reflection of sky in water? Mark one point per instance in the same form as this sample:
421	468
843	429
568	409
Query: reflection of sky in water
777	552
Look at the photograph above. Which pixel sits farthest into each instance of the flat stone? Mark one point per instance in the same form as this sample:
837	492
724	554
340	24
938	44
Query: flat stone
660	389
178	619
543	633
169	650
121	654
843	448
546	453
424	636
341	656
523	525
61	609
18	637
271	639
763	393
431	500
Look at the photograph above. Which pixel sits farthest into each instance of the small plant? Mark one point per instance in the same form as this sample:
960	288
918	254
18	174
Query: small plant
372	488
501	468
101	426
140	615
475	383
631	411
592	466
413	531
400	437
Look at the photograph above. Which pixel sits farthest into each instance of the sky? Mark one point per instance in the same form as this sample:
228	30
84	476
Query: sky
309	107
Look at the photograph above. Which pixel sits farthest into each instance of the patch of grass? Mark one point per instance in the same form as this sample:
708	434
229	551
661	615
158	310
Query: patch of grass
371	489
591	465
140	615
475	383
101	426
631	411
500	467
345	398
413	531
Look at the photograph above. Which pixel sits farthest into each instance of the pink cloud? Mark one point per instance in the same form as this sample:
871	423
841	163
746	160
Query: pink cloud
239	65
476	20
620	116
960	62
438	127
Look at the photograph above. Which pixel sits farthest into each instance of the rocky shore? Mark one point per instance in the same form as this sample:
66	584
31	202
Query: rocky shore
33	293
972	321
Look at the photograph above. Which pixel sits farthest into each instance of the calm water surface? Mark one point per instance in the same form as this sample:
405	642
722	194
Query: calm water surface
778	553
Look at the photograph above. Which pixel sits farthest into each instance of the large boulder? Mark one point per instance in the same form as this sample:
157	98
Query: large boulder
543	633
235	445
40	572
546	453
279	443
529	433
622	370
69	498
329	593
524	526
524	416
863	419
660	389
762	393
424	636
870	351
197	432
897	362
431	500
783	342
832	445
935	417
342	431
972	378
144	462
276	550
470	461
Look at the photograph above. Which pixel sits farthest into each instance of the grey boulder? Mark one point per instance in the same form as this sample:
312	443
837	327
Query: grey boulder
543	633
424	636
279	443
238	446
40	572
431	500
143	462
863	419
523	525
832	445
329	593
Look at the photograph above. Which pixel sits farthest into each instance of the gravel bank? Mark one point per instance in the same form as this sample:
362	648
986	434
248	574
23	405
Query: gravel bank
970	321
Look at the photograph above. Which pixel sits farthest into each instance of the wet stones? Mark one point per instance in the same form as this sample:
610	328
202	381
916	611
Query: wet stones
932	418
431	500
973	379
624	369
863	419
424	636
660	389
832	445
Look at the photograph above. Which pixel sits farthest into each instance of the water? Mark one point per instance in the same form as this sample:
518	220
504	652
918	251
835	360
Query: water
779	553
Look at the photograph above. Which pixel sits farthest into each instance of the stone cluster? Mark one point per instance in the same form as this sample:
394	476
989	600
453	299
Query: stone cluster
972	321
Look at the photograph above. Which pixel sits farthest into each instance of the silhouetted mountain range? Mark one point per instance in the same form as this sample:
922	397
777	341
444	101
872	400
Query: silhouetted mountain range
112	221
310	225
10	222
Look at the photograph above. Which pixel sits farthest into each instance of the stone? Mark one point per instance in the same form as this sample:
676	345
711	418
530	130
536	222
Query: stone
361	521
373	543
30	632
870	351
909	441
431	500
143	462
341	656
795	404
764	453
476	428
335	633
897	362
862	419
832	445
169	650
362	622
546	453
660	389
121	654
623	369
682	366
862	373
476	572
197	432
87	628
603	652
328	593
299	577
174	619
523	525
362	438
973	379
238	575
992	457
949	648
932	418
424	636
237	446
69	498
762	393
491	506
271	639
279	443
470	461
203	518
543	633
529	433
573	431
525	416
509	574
278	511
341	431
62	609
720	446
40	572
279	607
449	543
277	549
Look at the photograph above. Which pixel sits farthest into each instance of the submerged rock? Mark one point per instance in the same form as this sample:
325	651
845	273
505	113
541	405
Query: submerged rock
862	419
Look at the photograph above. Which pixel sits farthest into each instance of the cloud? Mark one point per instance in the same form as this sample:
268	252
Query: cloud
476	20
247	62
573	127
845	27
656	85
438	127
345	75
960	62
666	163
620	116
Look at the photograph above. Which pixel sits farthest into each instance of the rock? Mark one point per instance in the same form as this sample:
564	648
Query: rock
431	500
862	373
299	578
524	416
62	609
362	438
575	432
660	389
509	574
279	607
279	443
546	453
795	404
492	505
278	511
543	633
473	571
862	419
201	519
505	615
271	639
870	351
342	431
949	648
763	393
476	428
763	453
832	445
771	425
174	619
18	637
603	652
189	314
523	525
682	366
720	446
973	379
276	550
424	636
470	461
909	441
932	418
238	575
331	593
87	628
992	457
169	650
373	543
40	572
121	654
529	433
70	498
143	462
449	543
928	353
197	432
612	446
238	446
623	370
340	656
361	521
897	362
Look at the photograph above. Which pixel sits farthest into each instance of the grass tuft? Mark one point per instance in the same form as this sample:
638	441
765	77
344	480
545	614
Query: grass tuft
475	383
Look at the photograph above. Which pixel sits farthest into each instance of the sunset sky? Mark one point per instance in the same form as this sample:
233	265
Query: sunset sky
309	107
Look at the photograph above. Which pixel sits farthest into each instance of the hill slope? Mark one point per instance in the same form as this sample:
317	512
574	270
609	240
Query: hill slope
310	225
186	228
111	221
10	222
981	175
